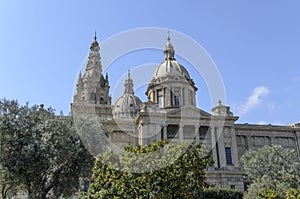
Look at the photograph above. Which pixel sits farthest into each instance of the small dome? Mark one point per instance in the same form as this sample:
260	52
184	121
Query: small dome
126	105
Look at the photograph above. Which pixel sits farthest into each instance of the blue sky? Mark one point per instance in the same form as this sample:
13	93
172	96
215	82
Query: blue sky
255	45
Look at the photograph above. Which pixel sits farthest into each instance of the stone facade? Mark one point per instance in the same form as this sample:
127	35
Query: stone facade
171	113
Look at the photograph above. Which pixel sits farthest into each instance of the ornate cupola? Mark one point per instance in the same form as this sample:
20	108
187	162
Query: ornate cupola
171	85
128	85
95	46
128	104
92	86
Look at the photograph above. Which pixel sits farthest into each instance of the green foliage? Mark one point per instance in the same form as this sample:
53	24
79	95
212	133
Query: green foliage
40	151
293	194
9	185
161	170
273	170
269	194
213	193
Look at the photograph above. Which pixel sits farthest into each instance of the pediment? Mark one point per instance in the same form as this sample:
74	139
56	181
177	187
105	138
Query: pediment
188	111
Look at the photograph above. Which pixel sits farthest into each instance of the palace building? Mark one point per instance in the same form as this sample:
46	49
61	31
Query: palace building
171	113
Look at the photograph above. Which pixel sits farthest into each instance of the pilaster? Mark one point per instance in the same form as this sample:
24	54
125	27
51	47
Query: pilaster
214	146
234	149
249	142
221	147
165	132
157	132
197	136
181	131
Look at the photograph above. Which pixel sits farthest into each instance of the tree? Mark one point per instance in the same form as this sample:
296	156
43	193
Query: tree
9	185
40	151
273	170
161	170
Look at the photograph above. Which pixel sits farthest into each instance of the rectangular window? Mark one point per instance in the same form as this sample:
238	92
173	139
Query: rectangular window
176	101
176	97
172	131
203	132
228	155
160	98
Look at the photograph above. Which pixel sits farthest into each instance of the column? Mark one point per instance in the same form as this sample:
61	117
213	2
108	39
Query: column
249	142
140	142
186	96
234	149
180	132
182	98
197	133
164	97
169	103
273	140
157	132
165	132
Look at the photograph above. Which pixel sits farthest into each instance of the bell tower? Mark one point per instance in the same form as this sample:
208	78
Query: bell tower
92	89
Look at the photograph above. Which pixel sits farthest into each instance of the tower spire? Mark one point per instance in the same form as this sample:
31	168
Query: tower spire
94	57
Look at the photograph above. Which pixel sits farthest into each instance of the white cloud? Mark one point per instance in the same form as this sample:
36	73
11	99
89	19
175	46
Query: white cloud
253	100
262	123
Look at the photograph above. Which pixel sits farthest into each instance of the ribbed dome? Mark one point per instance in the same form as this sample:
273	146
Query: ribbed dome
126	105
170	68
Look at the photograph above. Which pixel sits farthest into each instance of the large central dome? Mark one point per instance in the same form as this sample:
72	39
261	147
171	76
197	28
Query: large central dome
170	67
171	85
